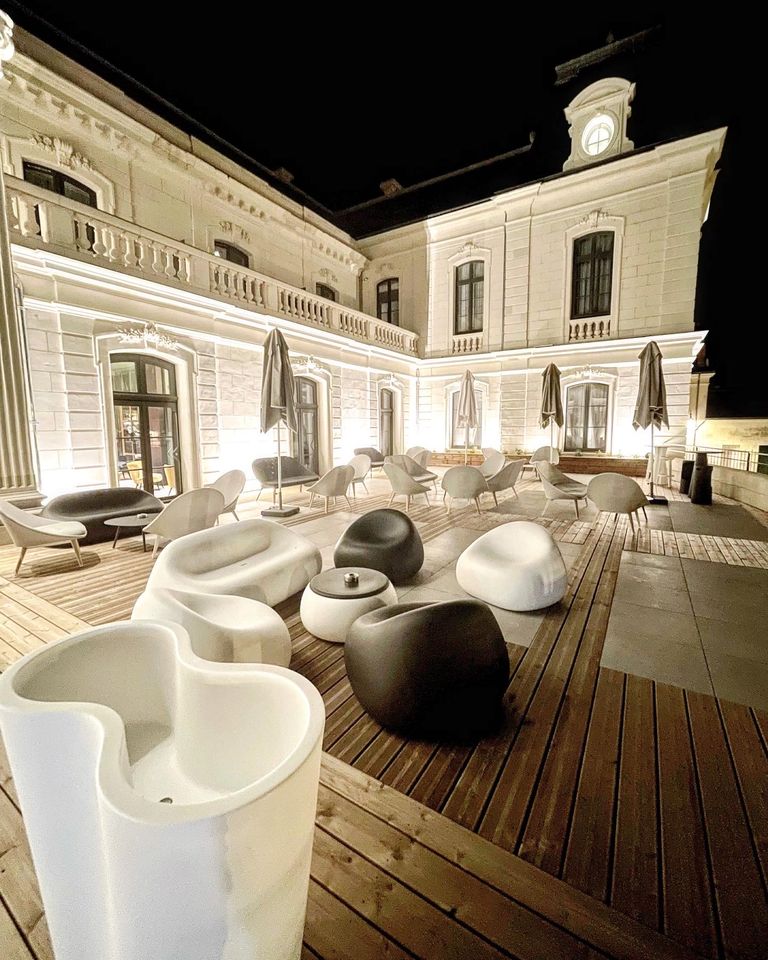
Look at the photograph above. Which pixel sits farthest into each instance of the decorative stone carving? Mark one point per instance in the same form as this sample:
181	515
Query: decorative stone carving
65	153
7	48
227	226
594	217
226	196
148	334
327	274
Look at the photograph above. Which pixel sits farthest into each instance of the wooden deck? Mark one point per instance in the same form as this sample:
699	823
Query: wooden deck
607	807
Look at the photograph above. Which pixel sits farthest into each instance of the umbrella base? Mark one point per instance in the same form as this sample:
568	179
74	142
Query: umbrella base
280	512
658	500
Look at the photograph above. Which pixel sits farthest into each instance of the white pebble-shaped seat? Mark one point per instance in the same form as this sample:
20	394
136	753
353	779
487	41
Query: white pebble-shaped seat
258	559
517	566
221	628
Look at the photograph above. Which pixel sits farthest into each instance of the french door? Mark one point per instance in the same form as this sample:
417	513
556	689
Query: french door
586	417
387	422
306	442
145	409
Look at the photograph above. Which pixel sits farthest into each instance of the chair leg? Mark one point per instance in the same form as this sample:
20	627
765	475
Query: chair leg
576	504
234	514
21	559
515	493
365	488
326	504
76	548
495	498
645	514
348	503
258	495
448	505
477	504
426	497
157	546
407	503
631	522
391	499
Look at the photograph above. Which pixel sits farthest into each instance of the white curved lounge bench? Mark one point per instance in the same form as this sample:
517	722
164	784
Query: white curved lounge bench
223	629
258	559
517	566
144	770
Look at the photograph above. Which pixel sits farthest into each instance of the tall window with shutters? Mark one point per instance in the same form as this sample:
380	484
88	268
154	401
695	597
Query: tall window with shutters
592	275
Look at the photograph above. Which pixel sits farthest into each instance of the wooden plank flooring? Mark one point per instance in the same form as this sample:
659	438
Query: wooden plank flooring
619	790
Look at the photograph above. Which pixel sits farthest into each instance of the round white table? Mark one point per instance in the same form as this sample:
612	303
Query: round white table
135	522
334	599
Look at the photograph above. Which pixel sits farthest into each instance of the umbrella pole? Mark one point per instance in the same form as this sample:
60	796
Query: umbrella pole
466	444
279	470
552	441
652	464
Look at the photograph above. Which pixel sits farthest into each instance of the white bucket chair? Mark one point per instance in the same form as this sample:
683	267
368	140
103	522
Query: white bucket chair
333	484
230	485
413	468
558	486
464	483
404	485
413	452
505	479
29	530
493	464
542	455
188	513
361	464
615	493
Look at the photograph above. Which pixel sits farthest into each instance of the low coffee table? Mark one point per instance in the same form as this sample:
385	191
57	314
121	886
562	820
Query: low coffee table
135	523
334	600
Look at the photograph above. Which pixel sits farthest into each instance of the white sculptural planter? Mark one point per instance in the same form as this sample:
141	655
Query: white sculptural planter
105	728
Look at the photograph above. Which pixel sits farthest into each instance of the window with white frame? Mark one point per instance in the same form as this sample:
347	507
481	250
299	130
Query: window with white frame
586	417
592	275
469	289
459	433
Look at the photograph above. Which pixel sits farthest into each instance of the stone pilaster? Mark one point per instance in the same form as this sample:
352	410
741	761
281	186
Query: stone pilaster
17	474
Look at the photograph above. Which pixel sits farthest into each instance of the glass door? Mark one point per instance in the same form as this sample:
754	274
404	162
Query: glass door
146	424
386	422
586	417
306	441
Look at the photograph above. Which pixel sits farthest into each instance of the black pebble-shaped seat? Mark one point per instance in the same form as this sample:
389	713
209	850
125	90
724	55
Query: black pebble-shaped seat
384	540
429	669
93	507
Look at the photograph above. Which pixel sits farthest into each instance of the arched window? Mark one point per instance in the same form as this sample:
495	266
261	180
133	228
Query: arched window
145	408
468	300
323	290
306	438
592	275
388	301
586	417
58	182
228	251
387	422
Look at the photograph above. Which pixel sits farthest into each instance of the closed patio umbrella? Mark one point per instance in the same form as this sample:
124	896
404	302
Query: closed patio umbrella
466	414
551	403
278	405
651	406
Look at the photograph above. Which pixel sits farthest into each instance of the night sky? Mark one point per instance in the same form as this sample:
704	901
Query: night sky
345	99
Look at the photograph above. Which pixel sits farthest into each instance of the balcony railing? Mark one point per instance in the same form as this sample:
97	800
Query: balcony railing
39	220
597	328
467	343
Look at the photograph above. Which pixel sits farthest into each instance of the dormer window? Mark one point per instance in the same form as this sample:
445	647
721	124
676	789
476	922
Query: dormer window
597	120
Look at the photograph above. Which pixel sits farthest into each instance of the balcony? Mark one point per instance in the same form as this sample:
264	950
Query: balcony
595	328
38	219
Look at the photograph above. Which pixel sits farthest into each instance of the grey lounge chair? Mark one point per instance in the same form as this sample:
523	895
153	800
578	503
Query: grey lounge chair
558	486
505	479
334	484
403	485
464	483
413	468
615	493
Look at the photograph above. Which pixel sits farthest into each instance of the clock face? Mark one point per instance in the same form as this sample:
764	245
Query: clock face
598	135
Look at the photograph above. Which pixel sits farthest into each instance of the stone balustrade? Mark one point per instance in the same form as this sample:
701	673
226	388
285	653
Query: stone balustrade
37	218
596	328
467	343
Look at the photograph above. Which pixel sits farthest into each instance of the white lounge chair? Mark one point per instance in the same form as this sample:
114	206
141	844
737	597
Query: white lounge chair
255	558
492	464
188	513
559	486
615	493
29	530
221	628
413	468
542	455
404	485
464	483
505	479
230	485
333	484
361	464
